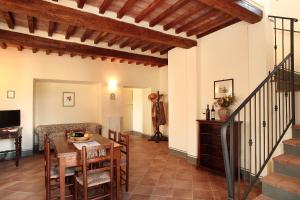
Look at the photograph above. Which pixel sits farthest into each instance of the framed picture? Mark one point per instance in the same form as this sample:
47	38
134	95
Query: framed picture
223	87
10	94
68	99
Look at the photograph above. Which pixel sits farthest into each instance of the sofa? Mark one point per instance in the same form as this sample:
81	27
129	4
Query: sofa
58	129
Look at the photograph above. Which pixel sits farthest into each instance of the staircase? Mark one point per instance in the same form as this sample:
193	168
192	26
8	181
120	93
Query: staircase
284	183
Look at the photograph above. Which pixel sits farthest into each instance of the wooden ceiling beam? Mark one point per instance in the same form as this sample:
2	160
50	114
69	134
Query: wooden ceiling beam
147	47
147	10
48	52
169	11
20	48
157	49
166	50
3	45
114	40
70	31
63	14
60	53
31	23
34	50
9	18
138	44
80	3
217	27
100	37
70	47
205	14
52	28
126	7
126	42
104	6
240	9
183	17
205	21
87	34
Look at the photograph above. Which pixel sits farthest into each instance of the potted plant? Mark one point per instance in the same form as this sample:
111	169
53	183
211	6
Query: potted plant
224	103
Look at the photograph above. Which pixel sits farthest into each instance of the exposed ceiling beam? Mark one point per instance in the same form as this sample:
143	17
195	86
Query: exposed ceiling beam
157	49
125	8
147	10
240	9
126	42
138	44
80	3
183	17
104	6
70	31
21	39
205	14
9	18
169	11
114	40
149	46
217	27
100	37
52	28
34	50
87	34
31	23
48	52
91	21
20	48
164	51
3	45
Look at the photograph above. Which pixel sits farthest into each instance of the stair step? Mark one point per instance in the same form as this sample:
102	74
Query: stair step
296	131
288	165
262	197
278	186
292	146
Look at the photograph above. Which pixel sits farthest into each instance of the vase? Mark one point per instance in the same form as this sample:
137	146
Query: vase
224	113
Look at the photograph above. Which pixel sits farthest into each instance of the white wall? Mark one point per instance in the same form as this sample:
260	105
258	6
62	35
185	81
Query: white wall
19	69
137	107
49	106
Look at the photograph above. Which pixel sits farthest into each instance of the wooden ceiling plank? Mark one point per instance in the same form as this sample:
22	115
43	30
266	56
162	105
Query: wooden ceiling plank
240	9
21	39
63	14
126	7
72	55
31	23
86	35
9	18
166	50
104	6
203	23
60	53
147	10
114	40
138	44
216	28
34	50
172	9
48	52
51	28
20	48
100	37
70	31
3	45
157	49
80	3
206	13
183	17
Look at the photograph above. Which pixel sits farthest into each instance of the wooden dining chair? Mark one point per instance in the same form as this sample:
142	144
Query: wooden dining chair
112	135
124	164
100	177
52	173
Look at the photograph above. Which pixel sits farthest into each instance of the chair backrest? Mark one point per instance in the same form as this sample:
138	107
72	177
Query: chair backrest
124	140
112	135
97	155
47	160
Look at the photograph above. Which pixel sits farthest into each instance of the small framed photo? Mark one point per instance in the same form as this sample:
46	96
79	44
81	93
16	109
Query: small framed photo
68	99
223	88
10	94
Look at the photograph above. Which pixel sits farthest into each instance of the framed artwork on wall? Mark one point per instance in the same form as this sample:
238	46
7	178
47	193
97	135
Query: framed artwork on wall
223	88
68	99
10	94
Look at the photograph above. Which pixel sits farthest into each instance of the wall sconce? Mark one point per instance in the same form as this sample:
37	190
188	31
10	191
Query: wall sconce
112	87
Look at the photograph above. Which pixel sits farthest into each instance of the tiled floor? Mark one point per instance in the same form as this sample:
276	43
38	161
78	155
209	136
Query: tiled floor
154	175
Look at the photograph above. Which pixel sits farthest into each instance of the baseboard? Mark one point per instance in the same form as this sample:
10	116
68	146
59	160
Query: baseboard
176	152
12	155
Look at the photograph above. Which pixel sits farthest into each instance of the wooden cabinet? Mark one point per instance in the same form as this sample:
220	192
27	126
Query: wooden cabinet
210	153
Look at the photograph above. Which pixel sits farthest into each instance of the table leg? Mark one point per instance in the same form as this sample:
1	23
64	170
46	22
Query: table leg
62	168
118	175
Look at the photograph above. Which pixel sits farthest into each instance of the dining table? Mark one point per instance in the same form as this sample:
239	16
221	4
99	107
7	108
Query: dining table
68	156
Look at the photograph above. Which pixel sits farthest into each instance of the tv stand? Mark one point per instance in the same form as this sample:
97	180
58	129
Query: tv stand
16	134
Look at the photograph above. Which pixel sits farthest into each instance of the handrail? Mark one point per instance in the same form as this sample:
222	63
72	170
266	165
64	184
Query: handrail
271	111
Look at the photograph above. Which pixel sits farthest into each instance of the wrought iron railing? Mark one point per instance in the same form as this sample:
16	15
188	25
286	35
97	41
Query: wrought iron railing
266	114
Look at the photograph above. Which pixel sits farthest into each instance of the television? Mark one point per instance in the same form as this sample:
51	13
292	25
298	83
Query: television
9	118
